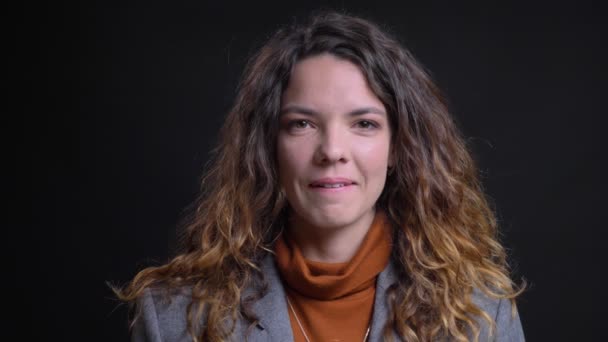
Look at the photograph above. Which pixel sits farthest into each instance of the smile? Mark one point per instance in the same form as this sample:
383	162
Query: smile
332	182
331	185
339	185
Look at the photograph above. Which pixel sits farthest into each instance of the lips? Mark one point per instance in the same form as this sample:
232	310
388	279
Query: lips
332	183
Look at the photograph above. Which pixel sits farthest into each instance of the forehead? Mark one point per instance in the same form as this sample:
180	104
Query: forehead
328	83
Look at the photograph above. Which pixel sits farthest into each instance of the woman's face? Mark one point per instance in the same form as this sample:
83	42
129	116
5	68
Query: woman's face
333	143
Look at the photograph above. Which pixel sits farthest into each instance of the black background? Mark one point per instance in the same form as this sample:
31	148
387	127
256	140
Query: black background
120	104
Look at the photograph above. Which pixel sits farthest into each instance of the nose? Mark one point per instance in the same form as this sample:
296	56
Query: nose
332	147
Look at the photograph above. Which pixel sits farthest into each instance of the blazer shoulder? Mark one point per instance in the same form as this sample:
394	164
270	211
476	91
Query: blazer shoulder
508	326
161	316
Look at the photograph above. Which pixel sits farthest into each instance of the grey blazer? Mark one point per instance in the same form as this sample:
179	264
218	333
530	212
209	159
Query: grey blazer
167	322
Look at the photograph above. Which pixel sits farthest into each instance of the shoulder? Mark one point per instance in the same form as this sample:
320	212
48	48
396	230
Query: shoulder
508	326
161	316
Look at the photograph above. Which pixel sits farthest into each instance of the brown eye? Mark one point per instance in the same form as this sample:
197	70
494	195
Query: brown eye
298	125
366	124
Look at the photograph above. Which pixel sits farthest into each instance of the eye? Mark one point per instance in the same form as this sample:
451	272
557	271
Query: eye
366	124
298	125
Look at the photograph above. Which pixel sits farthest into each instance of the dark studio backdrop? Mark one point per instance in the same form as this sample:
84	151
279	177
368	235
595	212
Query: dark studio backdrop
124	101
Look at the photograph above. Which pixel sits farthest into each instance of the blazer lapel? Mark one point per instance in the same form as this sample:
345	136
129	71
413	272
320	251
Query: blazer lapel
272	308
274	318
381	308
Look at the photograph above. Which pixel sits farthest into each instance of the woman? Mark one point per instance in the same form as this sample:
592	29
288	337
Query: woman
342	205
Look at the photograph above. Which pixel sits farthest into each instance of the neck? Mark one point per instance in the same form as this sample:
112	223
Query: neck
330	244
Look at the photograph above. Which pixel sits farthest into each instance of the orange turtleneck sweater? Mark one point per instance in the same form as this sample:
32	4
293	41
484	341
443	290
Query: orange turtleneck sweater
334	301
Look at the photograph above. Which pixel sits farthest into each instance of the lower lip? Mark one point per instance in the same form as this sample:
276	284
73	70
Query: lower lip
331	190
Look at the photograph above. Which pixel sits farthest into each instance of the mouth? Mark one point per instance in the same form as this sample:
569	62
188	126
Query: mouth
332	183
330	186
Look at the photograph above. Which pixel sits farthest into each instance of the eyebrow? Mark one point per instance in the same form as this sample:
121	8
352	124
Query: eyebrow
310	112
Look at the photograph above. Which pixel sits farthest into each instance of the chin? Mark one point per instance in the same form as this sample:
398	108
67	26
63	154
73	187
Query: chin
331	218
330	222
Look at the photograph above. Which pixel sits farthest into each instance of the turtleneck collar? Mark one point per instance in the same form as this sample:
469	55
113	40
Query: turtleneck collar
330	281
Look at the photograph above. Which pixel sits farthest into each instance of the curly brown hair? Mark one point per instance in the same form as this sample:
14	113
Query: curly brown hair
444	232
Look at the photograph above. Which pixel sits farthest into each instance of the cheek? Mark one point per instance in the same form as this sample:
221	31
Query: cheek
289	159
374	157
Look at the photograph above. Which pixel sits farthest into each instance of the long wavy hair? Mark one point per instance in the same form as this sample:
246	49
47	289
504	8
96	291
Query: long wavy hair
444	231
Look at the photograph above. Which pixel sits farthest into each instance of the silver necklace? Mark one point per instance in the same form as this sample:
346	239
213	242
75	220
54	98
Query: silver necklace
302	327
